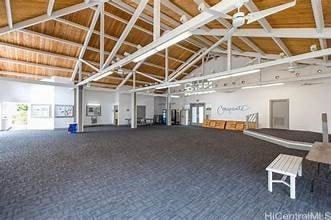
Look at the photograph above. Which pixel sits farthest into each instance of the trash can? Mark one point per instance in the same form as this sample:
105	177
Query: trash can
72	128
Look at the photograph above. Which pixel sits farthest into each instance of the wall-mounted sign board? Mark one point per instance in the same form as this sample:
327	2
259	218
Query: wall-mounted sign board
40	111
93	110
64	111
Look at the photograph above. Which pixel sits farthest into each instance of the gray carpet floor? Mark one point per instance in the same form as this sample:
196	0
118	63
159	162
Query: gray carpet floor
147	173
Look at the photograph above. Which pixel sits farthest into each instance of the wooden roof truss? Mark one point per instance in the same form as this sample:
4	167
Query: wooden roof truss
158	21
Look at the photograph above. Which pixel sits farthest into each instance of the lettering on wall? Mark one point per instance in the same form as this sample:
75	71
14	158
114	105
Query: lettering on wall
230	109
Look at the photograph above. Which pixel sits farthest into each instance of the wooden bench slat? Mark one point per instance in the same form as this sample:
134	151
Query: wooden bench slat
285	164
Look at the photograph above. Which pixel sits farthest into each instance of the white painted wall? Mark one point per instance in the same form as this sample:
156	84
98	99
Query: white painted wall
125	106
63	96
28	93
159	105
107	100
306	104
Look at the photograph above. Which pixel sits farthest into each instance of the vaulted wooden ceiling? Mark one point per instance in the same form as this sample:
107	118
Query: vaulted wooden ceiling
51	48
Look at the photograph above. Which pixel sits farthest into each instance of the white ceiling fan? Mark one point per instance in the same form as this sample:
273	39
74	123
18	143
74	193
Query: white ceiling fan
239	18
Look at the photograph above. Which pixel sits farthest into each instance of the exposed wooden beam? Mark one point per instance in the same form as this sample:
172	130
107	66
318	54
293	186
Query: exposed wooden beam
125	32
292	59
72	43
102	36
37	65
156	19
87	40
9	14
194	23
50	7
228	25
148	19
267	27
42	52
45	17
131	73
319	21
304	33
110	38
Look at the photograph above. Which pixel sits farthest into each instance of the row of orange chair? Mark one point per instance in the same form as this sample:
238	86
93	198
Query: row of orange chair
222	124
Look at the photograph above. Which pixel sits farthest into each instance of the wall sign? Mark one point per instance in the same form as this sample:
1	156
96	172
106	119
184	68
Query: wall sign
64	111
93	110
40	111
230	109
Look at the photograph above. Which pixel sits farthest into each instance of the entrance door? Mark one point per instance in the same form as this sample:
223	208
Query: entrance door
141	112
279	114
197	114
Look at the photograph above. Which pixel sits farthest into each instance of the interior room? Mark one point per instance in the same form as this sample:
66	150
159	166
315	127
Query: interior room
165	109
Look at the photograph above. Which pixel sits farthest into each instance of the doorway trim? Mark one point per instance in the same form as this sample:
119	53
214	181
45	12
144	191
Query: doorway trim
190	113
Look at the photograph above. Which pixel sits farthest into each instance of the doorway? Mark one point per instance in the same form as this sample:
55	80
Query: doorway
197	113
141	112
279	113
14	116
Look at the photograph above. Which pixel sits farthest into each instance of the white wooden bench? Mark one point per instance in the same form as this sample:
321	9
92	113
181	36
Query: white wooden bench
287	165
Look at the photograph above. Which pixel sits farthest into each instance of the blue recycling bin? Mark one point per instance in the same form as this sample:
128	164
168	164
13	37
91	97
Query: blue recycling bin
72	128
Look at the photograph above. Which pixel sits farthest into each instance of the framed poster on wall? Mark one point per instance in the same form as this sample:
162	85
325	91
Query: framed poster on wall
93	110
64	111
40	111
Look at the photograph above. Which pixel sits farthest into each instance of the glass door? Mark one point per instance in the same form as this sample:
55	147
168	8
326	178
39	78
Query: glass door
197	113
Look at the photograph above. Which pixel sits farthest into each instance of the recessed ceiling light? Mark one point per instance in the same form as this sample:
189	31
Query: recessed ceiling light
319	71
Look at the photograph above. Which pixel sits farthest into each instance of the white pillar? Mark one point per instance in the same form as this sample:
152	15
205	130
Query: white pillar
79	108
134	104
229	66
79	96
169	108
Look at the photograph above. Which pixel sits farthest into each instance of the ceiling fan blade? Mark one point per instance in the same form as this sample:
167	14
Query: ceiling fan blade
251	17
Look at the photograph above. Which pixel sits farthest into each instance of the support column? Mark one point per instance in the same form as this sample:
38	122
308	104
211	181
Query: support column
134	104
79	108
79	101
229	66
169	108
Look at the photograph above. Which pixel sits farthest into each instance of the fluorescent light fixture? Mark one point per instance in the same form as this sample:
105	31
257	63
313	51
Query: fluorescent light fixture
235	74
102	76
163	46
262	86
174	40
175	96
145	55
164	86
93	104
